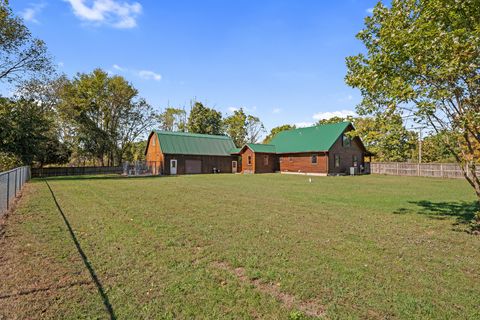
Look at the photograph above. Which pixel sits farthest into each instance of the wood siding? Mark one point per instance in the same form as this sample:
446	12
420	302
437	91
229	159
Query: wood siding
248	168
154	155
346	154
302	162
265	167
222	163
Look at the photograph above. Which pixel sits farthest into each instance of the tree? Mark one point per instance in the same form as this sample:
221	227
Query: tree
254	128
21	55
27	133
104	115
204	120
385	136
276	130
334	120
423	58
434	149
172	119
235	126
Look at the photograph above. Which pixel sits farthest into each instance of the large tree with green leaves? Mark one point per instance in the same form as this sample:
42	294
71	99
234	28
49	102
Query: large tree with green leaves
235	127
21	55
104	114
423	59
204	120
27	133
173	119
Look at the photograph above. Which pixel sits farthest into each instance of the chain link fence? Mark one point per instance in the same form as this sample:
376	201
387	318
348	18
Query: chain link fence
11	183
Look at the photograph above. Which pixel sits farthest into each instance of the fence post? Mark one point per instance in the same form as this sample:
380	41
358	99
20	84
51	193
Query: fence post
15	182
441	169
397	169
418	169
8	190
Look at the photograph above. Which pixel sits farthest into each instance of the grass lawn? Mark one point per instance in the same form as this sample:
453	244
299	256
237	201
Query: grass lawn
242	246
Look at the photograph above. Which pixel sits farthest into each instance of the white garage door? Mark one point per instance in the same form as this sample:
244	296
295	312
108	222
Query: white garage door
193	166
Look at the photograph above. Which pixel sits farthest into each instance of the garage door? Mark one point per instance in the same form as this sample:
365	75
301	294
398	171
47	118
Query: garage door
193	166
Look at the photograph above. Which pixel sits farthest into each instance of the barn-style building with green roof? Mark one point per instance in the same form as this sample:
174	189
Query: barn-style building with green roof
322	150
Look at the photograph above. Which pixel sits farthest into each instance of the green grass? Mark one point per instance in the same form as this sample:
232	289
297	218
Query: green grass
361	247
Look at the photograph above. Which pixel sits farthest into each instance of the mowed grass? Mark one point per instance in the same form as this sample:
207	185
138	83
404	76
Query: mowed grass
356	247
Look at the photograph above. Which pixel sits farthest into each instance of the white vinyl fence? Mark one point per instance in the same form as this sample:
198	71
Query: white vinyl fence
11	183
435	170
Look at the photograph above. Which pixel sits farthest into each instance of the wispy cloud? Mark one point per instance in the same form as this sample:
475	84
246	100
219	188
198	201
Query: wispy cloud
232	109
118	68
276	110
369	10
118	14
61	64
144	74
31	13
149	75
331	114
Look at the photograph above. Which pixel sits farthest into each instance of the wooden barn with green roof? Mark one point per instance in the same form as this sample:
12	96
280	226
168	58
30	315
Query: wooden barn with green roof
171	153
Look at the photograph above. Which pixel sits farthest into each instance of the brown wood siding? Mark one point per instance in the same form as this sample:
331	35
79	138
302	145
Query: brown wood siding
248	168
346	154
222	163
302	162
261	167
154	155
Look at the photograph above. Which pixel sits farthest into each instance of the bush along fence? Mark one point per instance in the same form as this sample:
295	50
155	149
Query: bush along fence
434	170
11	183
74	171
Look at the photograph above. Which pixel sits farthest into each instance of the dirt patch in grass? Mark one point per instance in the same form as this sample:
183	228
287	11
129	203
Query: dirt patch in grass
310	308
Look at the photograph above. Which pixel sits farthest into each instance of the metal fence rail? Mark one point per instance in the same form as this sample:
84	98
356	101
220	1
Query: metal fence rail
11	183
434	170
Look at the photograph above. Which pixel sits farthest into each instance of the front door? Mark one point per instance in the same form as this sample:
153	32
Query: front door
173	166
234	166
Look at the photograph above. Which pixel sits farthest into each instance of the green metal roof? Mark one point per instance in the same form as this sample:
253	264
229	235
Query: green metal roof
194	143
235	150
317	138
265	148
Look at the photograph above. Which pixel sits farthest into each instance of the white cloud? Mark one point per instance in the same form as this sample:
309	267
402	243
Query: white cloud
330	114
303	124
149	75
232	109
369	10
117	67
30	14
276	110
61	64
115	13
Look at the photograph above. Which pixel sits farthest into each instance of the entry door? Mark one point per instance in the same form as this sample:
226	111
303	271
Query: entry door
234	166
173	166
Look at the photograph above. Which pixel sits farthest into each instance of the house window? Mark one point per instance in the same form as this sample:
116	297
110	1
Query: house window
337	161
265	160
355	161
314	159
249	160
346	141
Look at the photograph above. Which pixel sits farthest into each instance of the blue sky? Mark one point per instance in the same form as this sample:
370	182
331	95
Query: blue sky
282	60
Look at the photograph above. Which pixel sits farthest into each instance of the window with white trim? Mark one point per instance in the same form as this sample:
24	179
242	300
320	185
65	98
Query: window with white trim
249	160
265	160
337	161
314	159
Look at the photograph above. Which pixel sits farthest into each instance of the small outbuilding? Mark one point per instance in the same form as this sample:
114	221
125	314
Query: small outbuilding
171	153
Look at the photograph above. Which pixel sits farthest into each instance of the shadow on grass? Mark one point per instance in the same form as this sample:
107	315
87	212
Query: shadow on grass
463	211
88	265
